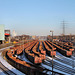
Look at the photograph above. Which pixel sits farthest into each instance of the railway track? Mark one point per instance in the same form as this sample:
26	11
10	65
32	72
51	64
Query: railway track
5	48
6	70
60	67
47	71
3	68
64	60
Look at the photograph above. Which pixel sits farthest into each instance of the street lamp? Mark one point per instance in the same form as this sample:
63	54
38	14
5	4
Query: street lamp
52	51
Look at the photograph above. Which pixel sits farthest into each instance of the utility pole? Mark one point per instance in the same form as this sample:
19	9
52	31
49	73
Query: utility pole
63	27
63	23
63	31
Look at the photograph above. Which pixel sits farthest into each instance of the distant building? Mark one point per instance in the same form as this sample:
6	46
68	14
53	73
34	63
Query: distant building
20	38
62	37
14	33
33	37
4	34
7	35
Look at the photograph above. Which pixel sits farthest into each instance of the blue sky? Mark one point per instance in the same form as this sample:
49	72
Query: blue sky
38	17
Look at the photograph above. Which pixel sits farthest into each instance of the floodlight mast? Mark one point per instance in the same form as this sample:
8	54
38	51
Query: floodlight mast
52	50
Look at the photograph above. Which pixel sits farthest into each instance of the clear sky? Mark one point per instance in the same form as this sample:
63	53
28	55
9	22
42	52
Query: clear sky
38	17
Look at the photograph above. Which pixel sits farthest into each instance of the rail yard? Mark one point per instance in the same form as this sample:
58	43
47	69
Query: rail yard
37	37
35	58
